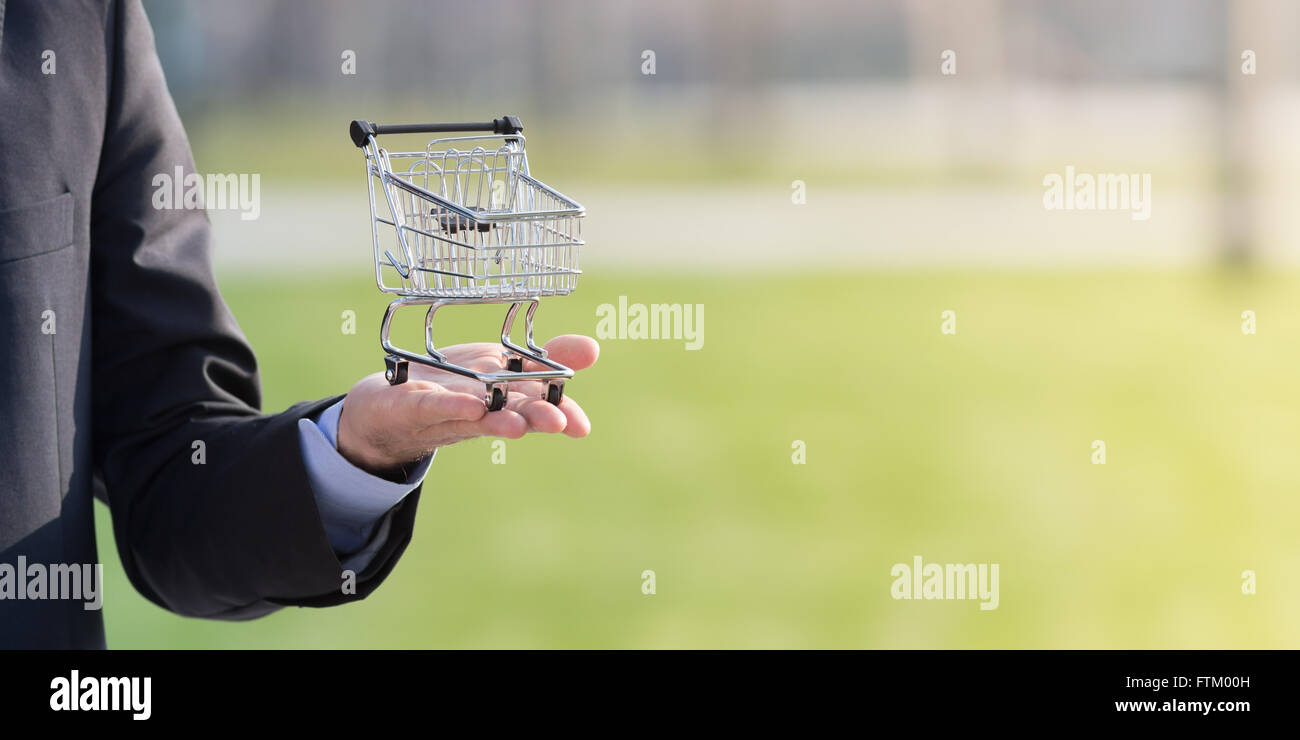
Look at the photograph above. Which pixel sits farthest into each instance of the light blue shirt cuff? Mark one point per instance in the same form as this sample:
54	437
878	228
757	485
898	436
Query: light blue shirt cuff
351	501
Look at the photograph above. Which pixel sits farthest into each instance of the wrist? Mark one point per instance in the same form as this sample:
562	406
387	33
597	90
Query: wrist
354	448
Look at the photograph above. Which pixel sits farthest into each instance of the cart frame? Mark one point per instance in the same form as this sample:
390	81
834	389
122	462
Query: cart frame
542	243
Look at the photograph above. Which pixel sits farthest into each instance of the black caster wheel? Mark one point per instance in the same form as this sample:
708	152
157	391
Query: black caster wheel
497	400
396	370
515	364
554	392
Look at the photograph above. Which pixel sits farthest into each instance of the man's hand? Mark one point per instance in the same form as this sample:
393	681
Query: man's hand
384	428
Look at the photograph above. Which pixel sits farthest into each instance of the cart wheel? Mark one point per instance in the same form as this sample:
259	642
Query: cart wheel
497	401
515	364
554	392
397	370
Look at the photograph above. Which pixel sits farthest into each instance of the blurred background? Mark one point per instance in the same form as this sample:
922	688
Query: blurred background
922	192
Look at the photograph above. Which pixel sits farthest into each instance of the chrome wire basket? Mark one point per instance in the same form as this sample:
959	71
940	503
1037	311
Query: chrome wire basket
463	222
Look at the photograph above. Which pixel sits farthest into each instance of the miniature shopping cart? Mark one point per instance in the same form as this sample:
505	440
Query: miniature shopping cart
463	222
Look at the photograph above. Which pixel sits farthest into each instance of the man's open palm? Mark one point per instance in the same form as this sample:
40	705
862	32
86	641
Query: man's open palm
386	427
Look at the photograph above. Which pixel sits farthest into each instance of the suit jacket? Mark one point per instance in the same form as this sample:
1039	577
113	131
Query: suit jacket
143	359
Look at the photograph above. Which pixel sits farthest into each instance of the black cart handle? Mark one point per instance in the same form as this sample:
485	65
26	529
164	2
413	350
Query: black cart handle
361	131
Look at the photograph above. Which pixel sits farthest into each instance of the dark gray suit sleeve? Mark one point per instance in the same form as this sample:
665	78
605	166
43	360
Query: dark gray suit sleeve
240	535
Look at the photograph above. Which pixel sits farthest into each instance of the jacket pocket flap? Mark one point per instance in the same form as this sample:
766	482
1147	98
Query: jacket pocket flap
35	229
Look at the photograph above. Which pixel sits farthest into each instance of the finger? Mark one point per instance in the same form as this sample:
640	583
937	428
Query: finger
504	423
576	422
572	350
542	416
438	405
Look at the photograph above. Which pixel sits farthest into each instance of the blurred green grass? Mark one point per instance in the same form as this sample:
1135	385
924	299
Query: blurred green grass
967	448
